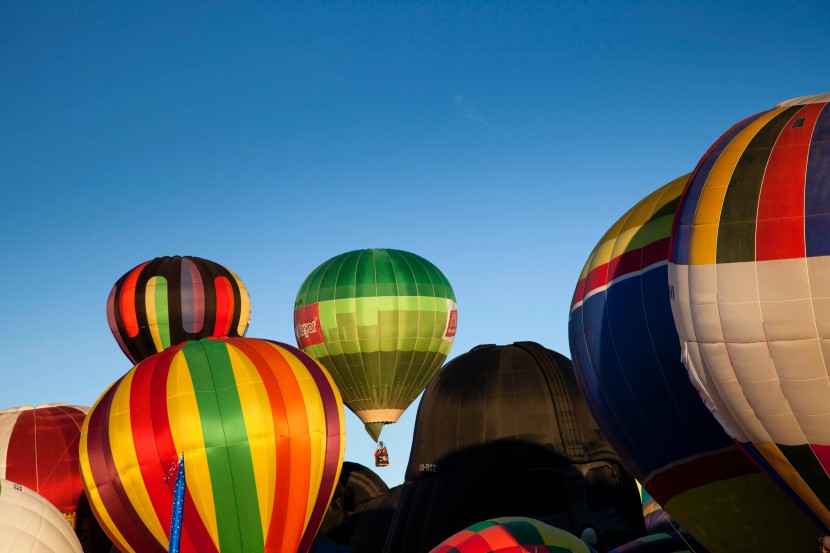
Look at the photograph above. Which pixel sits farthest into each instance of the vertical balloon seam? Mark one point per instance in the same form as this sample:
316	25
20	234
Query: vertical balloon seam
255	393
210	368
396	400
266	361
113	316
127	300
684	217
180	432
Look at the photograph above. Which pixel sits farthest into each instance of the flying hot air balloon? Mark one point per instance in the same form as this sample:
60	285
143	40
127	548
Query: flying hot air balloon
511	535
168	300
749	276
627	360
39	449
382	322
260	425
30	524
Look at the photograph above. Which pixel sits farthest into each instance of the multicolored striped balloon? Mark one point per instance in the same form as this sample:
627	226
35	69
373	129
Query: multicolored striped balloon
39	449
169	300
29	523
382	322
511	535
261	428
750	284
627	359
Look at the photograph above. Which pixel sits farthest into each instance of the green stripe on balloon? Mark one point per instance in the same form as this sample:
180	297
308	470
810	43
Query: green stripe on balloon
231	469
161	312
524	532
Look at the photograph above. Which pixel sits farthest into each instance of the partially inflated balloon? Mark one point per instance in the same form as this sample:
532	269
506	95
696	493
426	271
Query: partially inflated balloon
261	428
627	360
750	282
168	300
30	524
382	322
39	449
511	535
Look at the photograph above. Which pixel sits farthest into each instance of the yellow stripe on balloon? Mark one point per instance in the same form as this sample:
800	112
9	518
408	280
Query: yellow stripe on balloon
124	456
150	306
186	430
244	306
785	470
260	429
704	238
92	492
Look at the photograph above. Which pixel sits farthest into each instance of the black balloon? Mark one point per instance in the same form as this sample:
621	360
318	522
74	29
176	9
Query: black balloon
504	431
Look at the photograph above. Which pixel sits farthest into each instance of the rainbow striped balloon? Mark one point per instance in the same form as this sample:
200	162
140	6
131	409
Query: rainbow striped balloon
169	300
511	535
262	431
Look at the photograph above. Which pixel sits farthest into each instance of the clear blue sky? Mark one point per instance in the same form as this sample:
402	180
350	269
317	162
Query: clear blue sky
497	139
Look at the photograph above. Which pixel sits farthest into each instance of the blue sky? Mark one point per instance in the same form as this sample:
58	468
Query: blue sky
497	139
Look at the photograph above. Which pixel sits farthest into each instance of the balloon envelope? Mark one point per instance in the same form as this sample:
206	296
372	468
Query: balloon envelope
168	300
382	322
261	428
30	524
627	359
750	281
504	431
39	449
511	535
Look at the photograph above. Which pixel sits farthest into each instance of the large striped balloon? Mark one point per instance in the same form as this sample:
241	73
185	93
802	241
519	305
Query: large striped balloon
168	300
511	535
39	449
261	428
750	279
30	524
627	359
382	322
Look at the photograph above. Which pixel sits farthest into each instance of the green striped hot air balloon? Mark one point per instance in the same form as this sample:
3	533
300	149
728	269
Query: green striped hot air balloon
382	322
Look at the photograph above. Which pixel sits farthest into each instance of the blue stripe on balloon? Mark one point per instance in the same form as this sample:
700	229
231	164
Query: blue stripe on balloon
817	192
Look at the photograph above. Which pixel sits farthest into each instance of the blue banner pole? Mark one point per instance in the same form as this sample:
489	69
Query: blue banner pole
178	507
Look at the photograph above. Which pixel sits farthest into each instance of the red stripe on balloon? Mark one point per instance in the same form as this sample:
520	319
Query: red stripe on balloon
157	451
127	301
224	306
108	483
780	225
682	477
267	362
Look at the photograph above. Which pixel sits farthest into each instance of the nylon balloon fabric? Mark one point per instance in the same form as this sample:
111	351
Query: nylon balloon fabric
627	359
749	275
39	449
511	535
382	322
261	428
168	300
503	431
30	524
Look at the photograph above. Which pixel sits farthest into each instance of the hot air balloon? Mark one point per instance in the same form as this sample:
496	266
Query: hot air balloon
627	360
39	449
504	431
511	535
658	543
169	300
382	322
30	524
749	278
261	428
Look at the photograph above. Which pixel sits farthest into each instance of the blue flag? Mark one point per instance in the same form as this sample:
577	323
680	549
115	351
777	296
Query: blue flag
178	508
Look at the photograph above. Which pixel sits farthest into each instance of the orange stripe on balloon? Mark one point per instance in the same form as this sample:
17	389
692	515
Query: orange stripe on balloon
498	536
126	302
224	306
